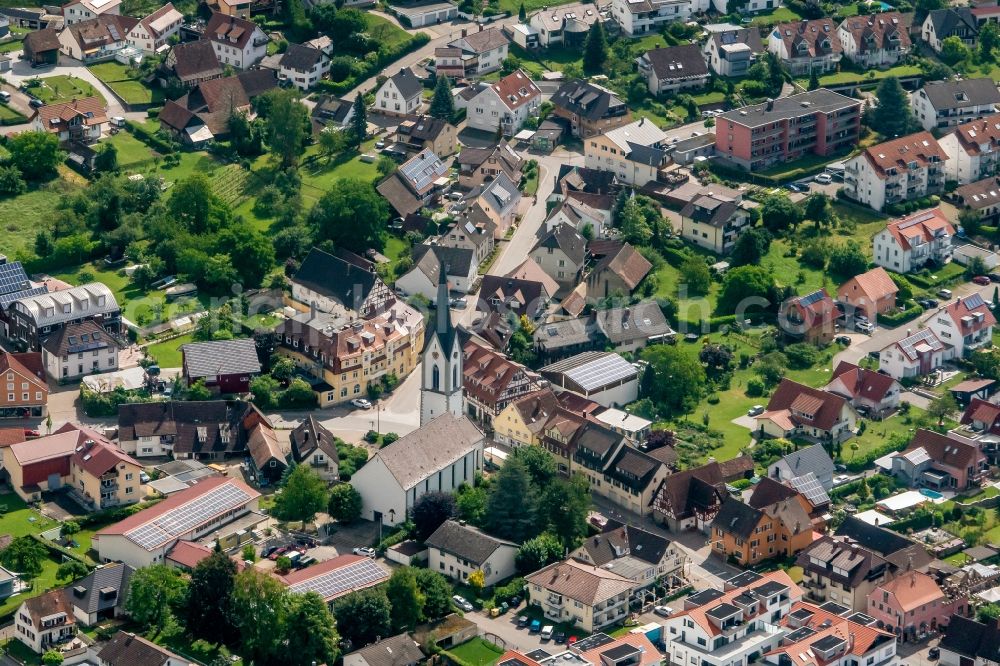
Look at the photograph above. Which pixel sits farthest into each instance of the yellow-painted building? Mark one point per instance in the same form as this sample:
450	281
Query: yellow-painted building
105	476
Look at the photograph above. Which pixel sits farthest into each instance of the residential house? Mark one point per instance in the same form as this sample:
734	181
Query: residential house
268	460
312	444
77	11
237	8
618	272
562	254
728	625
797	410
634	153
580	210
965	324
477	166
604	377
439	456
27	393
557	435
943	104
908	243
218	507
41	47
126	649
810	318
588	108
565	24
43	463
898	170
871	393
876	40
101	476
590	597
505	105
212	429
631	551
319	282
650	16
690	499
304	66
506	296
807	46
810	459
238	42
967	642
473	54
224	365
914	356
941	24
45	622
982	197
673	69
491	382
152	33
456	550
901	552
400	95
835	637
732	52
521	422
742	136
331	112
423	132
624	329
81	120
471	234
973	150
750	535
715	220
982	417
34	316
941	462
97	39
912	605
398	650
839	570
872	293
100	595
499	199
191	63
429	261
203	113
415	184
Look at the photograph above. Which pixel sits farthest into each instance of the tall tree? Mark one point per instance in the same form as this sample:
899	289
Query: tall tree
813	80
443	104
892	115
847	260
352	215
752	245
260	609
310	631
208	606
674	379
36	154
363	617
153	595
345	503
540	465
565	505
405	599
192	203
954	51
436	592
522	14
818	209
779	213
429	511
697	276
632	222
24	556
302	497
536	553
285	125
942	407
359	121
595	49
747	287
510	509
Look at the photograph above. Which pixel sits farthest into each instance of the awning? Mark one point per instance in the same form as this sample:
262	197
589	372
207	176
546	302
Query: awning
199	134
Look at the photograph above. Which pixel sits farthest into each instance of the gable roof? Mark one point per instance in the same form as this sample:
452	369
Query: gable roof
803	404
737	518
263	446
210	426
581	582
102	30
52	602
564	237
335	278
912	590
742	36
920	149
922	226
861	382
768	491
947	21
309	436
877	539
967	637
811	39
841	555
406	83
433	446
875	284
465	542
642	321
970	314
27	365
946	95
159	21
813	459
395	651
710	209
888	30
482	40
501	194
515	90
979	136
627	263
619	540
55	117
125	649
40	41
105	587
101	457
214	358
980	194
945	450
588	100
530	271
301	58
230	30
701	487
677	62
458	260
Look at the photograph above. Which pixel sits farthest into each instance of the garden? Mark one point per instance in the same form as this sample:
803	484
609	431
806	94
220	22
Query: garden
125	82
60	88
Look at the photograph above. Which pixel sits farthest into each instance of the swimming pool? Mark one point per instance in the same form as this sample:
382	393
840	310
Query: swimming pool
932	494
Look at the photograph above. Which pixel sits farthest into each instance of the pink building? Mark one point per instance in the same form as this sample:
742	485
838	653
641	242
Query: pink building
913	604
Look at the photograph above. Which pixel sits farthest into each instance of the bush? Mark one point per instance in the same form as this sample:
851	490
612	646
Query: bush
911	311
755	388
895	443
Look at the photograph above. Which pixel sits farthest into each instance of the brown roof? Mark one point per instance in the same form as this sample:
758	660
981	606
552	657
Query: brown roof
875	284
85	336
188	553
150	20
263	446
700	487
768	492
810	38
125	649
627	264
50	603
980	194
970	314
40	41
983	411
923	224
863	383
100	458
979	136
176	117
9	436
581	582
27	365
516	89
878	31
230	30
487	374
812	310
56	117
945	450
806	405
921	148
196	60
103	30
485	40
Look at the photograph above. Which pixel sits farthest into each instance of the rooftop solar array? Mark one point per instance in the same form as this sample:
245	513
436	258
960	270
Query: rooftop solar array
13	278
181	520
974	301
799	634
743	579
809	299
333	584
423	169
926	335
835	608
601	372
917	219
862	618
7	299
809	485
591	642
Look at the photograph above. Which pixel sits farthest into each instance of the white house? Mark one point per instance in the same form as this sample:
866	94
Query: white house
427	262
153	33
237	42
942	104
473	54
914	356
580	210
439	456
910	242
973	150
456	550
965	324
570	591
807	46
45	621
641	556
640	17
498	201
878	40
77	350
97	39
941	24
77	120
895	171
303	65
673	69
732	52
400	95
565	24
505	104
635	153
84	10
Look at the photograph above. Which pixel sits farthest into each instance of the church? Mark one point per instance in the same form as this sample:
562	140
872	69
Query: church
444	452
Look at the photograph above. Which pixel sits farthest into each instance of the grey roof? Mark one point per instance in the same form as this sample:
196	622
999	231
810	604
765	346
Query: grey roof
331	109
567	239
484	40
457	259
105	587
945	95
465	542
592	370
430	448
813	459
643	320
220	357
737	518
709	210
784	108
335	278
677	62
811	488
742	36
407	83
301	58
125	649
399	650
588	100
502	193
947	21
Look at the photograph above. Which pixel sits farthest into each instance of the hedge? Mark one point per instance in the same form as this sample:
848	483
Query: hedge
897	318
896	443
386	56
149	138
56	549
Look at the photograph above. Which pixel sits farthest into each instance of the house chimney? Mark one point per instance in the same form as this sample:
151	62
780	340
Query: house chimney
463	32
770	104
641	121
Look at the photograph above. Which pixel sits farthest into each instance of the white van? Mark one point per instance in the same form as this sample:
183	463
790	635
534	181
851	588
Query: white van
4	96
547	632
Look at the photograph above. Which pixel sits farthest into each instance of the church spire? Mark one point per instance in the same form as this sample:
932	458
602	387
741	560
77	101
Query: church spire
443	313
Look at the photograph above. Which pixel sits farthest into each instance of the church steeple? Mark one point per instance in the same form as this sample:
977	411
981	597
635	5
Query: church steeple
441	389
443	313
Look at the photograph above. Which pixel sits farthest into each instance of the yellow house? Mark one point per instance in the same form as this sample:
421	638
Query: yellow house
715	220
521	422
105	476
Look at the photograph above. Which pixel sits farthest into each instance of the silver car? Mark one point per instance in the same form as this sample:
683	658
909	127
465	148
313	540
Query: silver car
462	603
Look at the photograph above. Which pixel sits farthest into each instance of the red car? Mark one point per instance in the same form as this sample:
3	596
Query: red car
278	553
981	279
31	433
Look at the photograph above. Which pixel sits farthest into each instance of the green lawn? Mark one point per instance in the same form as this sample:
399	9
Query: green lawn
63	88
11	116
477	652
318	174
22	216
877	433
790	170
779	15
513	6
840	78
125	85
131	151
18	519
11	46
168	354
383	31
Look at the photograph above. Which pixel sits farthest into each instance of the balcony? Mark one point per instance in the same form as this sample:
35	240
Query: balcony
555	601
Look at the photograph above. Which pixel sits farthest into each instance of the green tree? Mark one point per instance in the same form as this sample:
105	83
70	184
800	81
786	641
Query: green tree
746	287
345	503
285	125
697	277
36	154
779	213
538	552
510	508
942	407
430	511
106	159
208	611
443	104
11	184
989	39
52	658
302	497
954	51
260	609
192	203
405	599
988	612
245	135
540	465
264	389
359	121
24	556
892	115
632	222
847	260
813	80
310	631
363	617
198	392
971	221
332	141
674	380
771	367
751	247
71	570
976	267
564	505
522	14
251	254
924	7
436	592
595	49
818	209
352	215
472	503
282	368
154	594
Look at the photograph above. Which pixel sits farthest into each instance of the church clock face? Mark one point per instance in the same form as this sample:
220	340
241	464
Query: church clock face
435	355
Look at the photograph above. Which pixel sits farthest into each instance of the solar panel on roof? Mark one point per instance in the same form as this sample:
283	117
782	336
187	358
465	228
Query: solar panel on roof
809	299
974	301
601	372
345	579
813	490
185	518
13	278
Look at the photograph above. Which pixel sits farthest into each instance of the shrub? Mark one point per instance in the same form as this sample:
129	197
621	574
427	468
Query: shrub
755	388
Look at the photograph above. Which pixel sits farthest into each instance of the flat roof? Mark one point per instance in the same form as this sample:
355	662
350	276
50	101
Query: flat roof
784	108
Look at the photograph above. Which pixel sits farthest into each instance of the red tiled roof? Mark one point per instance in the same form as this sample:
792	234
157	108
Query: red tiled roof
188	553
27	366
980	316
875	32
863	383
810	38
876	285
922	224
921	148
979	136
101	458
824	407
515	89
982	411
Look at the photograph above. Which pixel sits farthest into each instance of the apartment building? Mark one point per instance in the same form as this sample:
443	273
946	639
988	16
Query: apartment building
581	594
640	17
807	46
878	40
965	324
237	42
635	153
943	104
25	393
983	197
589	108
908	243
472	54
751	535
973	150
732	52
903	169
819	122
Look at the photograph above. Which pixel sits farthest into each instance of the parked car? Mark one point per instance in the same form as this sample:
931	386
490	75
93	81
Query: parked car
277	552
994	277
28	432
458	303
944	293
559	637
367	552
824	179
663	611
924	303
981	280
755	410
523	621
843	339
462	603
794	187
36	103
933	302
864	327
361	403
934	653
535	627
547	632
